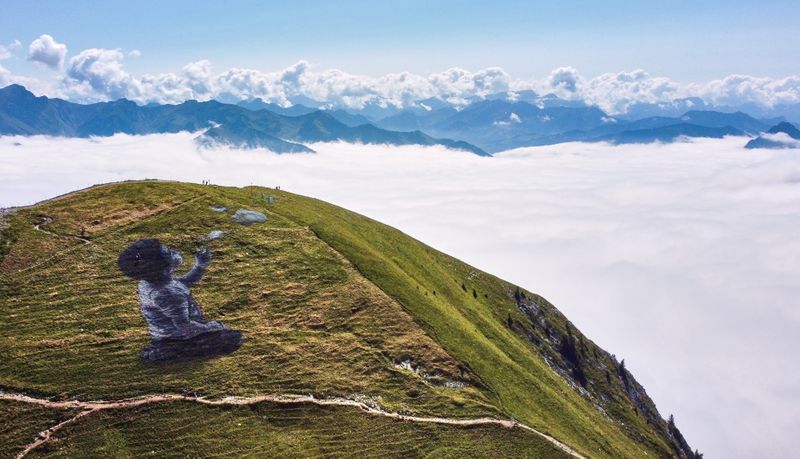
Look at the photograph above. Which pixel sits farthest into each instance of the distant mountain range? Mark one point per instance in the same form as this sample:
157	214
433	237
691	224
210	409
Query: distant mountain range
497	125
502	121
22	113
491	124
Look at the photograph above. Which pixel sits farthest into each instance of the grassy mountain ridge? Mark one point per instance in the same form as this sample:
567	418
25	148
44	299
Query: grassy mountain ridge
331	302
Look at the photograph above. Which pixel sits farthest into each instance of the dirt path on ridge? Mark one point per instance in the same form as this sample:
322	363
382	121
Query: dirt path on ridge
89	407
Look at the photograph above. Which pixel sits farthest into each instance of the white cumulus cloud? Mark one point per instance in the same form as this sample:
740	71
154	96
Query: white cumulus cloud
46	50
736	89
6	50
612	92
98	74
564	80
102	70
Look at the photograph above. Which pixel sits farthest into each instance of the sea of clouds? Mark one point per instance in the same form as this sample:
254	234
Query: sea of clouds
683	259
99	74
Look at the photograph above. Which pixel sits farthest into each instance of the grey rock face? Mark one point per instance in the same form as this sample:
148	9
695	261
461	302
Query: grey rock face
248	217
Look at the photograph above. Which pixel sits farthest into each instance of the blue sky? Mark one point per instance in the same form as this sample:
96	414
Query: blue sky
685	40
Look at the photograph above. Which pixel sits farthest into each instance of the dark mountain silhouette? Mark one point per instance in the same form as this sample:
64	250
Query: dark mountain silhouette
258	104
786	128
765	142
348	118
22	113
738	120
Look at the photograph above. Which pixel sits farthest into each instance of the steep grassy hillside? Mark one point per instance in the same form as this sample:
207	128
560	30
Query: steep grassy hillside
332	304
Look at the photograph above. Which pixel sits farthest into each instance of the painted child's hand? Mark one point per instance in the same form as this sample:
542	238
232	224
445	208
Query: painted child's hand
203	256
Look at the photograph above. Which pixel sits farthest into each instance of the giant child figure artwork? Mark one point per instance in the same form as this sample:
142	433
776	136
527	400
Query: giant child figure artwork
174	319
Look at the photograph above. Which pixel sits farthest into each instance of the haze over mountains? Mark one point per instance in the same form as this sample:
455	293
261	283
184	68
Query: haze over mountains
496	123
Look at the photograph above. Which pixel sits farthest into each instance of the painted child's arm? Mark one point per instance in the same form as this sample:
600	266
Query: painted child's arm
201	261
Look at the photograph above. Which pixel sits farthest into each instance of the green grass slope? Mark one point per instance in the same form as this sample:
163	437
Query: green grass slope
21	423
332	304
183	429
